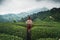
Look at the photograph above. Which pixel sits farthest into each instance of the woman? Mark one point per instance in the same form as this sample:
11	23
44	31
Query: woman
29	25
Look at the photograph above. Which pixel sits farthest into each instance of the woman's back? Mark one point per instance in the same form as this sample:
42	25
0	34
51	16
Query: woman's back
29	22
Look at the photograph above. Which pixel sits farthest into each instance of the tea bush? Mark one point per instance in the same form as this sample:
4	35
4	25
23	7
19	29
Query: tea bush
9	37
36	31
45	32
47	39
13	30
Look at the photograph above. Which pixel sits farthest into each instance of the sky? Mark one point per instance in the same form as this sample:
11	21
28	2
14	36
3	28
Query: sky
17	6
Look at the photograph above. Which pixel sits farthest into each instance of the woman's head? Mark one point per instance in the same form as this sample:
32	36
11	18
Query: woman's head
29	17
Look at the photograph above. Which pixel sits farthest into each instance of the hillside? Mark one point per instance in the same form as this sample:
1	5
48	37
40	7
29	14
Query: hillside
50	15
17	17
41	30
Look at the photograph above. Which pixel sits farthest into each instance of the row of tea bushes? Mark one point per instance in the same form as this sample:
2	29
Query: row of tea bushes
13	30
36	32
47	39
45	32
9	37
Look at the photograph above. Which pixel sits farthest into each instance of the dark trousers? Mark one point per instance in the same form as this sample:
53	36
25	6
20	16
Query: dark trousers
28	35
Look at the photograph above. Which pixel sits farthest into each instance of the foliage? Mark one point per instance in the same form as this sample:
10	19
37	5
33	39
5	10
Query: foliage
9	37
47	39
55	13
10	28
40	29
45	32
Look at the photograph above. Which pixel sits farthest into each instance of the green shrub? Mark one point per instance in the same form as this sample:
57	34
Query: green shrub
47	39
36	31
13	30
9	37
45	32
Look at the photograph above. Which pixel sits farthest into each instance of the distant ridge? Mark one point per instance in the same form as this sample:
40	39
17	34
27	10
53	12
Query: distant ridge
49	15
17	17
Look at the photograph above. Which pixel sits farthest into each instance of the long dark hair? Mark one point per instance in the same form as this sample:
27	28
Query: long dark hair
29	18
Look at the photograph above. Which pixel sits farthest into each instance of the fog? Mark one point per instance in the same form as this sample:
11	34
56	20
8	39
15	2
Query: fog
17	6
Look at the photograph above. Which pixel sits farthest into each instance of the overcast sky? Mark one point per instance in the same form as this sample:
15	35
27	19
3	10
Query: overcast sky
17	6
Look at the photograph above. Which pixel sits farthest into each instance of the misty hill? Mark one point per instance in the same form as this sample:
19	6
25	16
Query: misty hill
17	17
50	15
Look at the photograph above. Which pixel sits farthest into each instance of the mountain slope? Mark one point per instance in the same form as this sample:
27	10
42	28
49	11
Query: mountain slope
50	15
18	17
